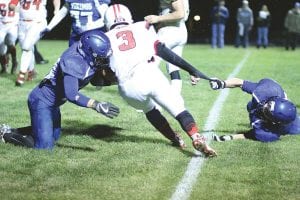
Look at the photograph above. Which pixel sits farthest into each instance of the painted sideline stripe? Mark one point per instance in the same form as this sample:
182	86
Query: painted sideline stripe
185	186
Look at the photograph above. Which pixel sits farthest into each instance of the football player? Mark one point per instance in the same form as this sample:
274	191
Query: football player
32	21
271	114
85	15
172	32
73	71
8	36
140	81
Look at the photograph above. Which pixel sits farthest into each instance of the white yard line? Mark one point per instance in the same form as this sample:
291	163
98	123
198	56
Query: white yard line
185	186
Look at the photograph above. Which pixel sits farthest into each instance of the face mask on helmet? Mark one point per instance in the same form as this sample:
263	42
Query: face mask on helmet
117	14
95	47
279	110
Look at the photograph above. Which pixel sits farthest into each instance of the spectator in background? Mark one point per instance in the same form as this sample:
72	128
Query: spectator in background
292	24
219	16
244	25
263	23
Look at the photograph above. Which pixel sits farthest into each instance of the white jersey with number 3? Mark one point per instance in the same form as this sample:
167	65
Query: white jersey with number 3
130	46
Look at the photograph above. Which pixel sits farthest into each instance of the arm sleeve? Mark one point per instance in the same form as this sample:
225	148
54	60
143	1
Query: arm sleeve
58	17
249	87
169	56
71	91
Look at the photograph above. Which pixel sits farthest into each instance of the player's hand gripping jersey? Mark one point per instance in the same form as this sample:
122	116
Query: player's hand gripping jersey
130	46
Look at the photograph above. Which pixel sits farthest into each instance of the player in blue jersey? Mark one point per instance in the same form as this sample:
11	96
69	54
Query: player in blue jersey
73	71
271	114
85	15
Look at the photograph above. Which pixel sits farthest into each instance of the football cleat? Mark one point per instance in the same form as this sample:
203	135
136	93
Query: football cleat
199	144
4	128
178	141
20	80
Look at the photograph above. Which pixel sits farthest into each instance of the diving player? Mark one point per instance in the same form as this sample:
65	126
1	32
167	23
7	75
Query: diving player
271	114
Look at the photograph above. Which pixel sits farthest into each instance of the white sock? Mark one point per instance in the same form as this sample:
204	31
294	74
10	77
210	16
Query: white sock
176	84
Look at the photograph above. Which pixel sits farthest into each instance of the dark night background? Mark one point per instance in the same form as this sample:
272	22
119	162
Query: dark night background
199	32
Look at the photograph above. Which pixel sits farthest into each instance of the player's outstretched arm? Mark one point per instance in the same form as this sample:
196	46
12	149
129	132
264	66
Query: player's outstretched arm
71	91
62	13
171	57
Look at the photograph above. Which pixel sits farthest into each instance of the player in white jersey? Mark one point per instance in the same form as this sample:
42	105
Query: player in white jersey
8	35
140	80
172	31
32	21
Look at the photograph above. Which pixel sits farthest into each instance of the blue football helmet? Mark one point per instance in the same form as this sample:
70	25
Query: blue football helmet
279	110
95	47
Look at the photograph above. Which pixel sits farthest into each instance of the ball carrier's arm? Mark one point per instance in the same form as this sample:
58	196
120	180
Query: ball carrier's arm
169	56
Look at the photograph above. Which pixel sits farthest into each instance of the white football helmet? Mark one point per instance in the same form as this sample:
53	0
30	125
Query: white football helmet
117	14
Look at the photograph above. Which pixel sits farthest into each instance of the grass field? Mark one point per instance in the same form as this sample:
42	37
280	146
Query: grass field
125	158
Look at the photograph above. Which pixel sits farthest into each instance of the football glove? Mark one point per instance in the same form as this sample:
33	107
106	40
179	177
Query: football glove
217	84
106	108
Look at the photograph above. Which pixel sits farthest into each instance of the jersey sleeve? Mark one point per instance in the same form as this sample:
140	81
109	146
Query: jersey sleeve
249	86
74	67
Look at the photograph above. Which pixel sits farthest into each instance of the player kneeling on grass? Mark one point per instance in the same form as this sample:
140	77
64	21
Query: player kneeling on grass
73	71
141	83
271	114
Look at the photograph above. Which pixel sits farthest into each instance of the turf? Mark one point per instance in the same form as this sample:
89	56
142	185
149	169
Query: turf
125	158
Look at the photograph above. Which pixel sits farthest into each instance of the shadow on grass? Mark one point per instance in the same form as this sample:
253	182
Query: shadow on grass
110	134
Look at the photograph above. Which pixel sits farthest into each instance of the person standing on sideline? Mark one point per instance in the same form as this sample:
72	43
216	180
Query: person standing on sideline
33	19
292	24
263	23
172	31
244	24
219	16
271	114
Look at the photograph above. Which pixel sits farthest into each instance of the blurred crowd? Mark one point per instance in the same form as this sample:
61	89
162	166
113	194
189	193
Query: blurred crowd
245	21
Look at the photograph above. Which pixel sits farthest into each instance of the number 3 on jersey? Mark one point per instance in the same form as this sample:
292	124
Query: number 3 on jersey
128	40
